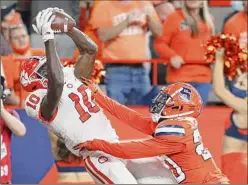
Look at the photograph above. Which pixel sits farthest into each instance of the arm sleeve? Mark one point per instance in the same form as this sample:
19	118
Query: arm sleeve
126	115
140	149
162	44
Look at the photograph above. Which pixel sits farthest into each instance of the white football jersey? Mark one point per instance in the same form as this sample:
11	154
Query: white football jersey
78	118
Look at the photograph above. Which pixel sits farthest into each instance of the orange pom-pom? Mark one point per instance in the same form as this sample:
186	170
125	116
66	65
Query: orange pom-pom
234	56
243	57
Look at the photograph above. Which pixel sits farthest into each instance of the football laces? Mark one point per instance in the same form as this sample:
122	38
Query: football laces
57	31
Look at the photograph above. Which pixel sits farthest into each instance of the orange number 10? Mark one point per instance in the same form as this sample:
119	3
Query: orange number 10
84	114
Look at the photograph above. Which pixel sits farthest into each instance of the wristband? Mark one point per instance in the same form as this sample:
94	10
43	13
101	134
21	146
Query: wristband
48	36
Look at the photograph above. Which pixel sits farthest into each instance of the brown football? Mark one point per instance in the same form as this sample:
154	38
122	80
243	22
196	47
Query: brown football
62	22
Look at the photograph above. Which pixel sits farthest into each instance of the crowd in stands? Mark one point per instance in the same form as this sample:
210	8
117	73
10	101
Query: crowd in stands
128	36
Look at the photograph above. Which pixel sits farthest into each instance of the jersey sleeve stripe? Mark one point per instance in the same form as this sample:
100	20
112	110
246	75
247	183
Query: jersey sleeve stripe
169	134
165	129
170	126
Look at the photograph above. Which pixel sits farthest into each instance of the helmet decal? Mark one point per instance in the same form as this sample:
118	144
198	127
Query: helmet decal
185	94
24	78
33	74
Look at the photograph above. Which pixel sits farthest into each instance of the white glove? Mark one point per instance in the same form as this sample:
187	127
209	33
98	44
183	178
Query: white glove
43	24
58	9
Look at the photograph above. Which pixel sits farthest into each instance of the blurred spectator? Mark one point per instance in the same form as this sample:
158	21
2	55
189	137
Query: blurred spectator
5	47
163	9
9	123
85	14
237	25
184	33
9	17
20	42
122	31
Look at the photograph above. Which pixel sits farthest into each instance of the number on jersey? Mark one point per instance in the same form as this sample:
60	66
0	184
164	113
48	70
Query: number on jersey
91	107
176	169
33	100
200	150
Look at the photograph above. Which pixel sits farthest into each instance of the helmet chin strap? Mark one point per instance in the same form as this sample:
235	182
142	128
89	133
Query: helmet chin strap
178	115
156	117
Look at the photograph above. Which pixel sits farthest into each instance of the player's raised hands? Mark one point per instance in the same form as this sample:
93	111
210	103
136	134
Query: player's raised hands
43	23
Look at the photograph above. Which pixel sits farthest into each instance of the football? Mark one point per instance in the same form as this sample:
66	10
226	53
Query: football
62	22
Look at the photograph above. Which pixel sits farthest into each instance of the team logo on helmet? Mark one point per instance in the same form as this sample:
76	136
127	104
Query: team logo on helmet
176	100
185	94
24	78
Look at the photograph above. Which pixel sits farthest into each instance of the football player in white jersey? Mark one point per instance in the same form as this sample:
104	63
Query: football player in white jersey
64	104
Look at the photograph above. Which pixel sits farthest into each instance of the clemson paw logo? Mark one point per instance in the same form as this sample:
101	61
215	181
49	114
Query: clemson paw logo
24	78
102	159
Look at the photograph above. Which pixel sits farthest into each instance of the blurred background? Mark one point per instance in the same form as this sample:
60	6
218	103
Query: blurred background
138	60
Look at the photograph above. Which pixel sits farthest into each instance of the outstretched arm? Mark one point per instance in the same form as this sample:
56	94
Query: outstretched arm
135	149
88	50
238	104
55	81
55	75
125	114
121	112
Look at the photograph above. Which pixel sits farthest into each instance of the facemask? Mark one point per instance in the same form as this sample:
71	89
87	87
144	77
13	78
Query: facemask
236	91
237	5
